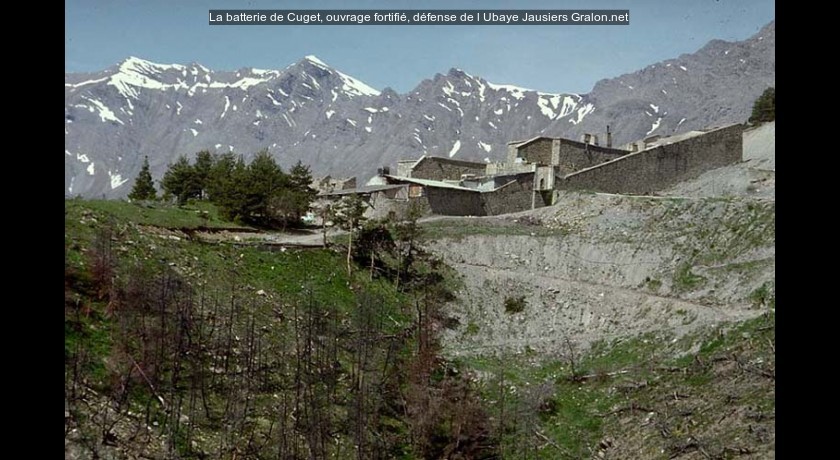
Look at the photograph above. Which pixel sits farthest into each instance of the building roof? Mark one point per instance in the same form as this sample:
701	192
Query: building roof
683	136
412	161
429	183
528	141
367	189
439	184
450	161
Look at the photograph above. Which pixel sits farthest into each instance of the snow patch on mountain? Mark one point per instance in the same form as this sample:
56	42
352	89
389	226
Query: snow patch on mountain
582	112
516	91
455	148
83	83
227	104
105	114
655	126
116	180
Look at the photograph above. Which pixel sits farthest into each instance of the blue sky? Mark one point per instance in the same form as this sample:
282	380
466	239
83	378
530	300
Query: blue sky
101	33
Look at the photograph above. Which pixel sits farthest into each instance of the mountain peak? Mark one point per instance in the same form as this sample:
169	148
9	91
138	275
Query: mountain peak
136	64
311	58
350	85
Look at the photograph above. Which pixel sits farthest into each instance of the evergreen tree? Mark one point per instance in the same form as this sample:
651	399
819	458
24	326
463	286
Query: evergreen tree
260	192
203	166
764	108
180	181
220	177
227	183
144	186
264	181
294	201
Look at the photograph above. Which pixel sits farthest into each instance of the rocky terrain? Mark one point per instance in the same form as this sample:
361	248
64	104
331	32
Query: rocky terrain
598	266
628	326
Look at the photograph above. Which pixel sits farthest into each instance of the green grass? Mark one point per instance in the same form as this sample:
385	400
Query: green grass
578	413
685	279
472	329
652	284
195	215
763	295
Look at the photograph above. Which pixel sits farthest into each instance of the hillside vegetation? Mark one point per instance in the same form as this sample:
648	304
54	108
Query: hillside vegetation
177	348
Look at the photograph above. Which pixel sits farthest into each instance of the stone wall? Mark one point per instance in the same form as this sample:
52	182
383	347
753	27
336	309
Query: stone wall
538	151
382	203
436	168
513	197
329	184
568	155
504	169
454	202
661	167
574	156
516	194
544	178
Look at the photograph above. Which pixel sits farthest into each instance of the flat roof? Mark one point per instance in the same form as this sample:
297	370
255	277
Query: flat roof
451	161
430	183
362	190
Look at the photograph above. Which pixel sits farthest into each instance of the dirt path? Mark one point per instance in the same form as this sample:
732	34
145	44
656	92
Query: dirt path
299	238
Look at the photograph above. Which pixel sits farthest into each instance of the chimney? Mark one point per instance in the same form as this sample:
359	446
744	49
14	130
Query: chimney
609	137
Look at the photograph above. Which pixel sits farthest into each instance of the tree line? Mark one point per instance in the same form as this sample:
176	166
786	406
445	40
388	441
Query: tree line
259	192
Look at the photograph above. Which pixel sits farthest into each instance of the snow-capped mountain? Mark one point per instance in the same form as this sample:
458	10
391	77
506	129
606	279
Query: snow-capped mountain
715	85
341	126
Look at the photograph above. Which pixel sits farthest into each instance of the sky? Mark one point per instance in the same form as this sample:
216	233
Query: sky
101	33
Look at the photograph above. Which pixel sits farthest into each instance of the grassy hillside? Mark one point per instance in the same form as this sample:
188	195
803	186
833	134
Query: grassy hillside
175	348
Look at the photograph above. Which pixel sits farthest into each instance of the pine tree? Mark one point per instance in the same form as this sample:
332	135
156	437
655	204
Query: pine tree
144	187
764	108
229	184
300	193
180	181
204	161
265	180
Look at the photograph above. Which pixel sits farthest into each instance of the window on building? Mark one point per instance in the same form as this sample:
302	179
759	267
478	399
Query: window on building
415	191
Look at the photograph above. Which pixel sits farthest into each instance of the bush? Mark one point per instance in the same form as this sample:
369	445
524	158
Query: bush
515	304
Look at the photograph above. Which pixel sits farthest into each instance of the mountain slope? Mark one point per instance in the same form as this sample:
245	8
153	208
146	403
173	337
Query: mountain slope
716	85
339	125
